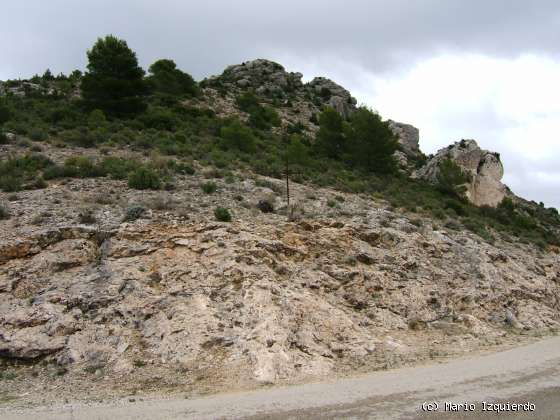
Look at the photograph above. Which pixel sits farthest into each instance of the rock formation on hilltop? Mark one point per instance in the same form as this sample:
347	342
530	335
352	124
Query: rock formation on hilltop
483	167
270	79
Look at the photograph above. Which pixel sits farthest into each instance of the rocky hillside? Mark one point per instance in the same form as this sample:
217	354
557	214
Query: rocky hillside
108	286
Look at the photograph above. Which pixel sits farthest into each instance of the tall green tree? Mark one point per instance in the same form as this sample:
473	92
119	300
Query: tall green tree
371	143
114	81
330	137
166	78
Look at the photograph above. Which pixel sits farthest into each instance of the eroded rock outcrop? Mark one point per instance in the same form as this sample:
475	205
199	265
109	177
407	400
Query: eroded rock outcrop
270	80
265	77
484	168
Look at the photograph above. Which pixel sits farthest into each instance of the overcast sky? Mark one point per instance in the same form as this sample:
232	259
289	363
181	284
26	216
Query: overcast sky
482	69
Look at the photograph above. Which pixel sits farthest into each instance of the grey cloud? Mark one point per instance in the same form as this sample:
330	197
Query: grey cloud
203	37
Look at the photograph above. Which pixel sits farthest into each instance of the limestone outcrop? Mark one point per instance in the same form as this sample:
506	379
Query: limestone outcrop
483	167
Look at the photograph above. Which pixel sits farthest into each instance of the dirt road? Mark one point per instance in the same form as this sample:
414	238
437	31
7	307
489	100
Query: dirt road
529	374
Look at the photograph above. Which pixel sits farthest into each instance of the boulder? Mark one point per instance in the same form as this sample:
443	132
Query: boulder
484	168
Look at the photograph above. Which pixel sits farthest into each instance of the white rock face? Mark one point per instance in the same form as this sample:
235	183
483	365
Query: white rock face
484	167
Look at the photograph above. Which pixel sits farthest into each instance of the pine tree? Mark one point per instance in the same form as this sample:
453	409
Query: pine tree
114	82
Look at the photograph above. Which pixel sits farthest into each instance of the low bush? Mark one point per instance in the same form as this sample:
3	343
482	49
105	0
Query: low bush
181	168
222	214
118	168
38	134
209	187
4	212
81	167
144	179
10	183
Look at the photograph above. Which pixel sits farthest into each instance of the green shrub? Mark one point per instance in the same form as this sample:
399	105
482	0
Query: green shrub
144	179
139	363
4	212
480	229
118	168
159	118
209	187
96	119
10	183
38	134
222	214
263	117
181	168
456	206
16	171
79	137
5	112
